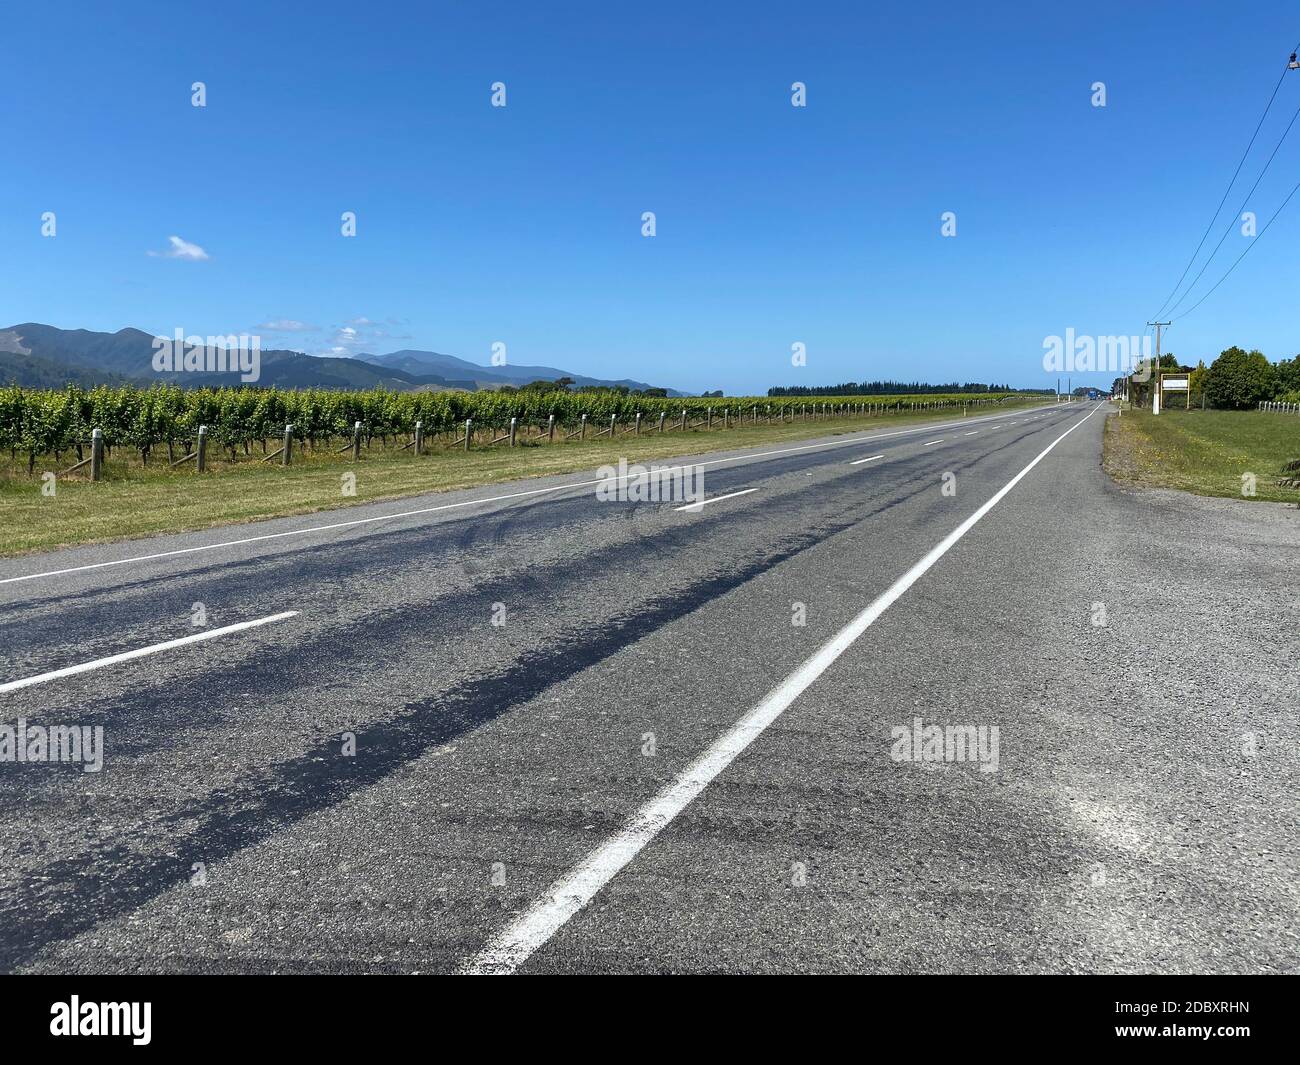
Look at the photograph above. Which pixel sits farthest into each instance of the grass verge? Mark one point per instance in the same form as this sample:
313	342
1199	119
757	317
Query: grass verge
1205	452
135	500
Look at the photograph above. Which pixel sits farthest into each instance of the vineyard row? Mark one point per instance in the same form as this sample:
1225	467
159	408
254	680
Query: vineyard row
36	423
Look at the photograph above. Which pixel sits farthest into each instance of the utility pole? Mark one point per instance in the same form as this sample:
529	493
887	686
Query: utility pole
1155	370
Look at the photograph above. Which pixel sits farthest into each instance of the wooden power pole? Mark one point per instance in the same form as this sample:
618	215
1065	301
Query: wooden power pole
1155	370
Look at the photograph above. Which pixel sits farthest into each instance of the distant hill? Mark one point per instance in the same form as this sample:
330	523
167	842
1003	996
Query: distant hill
293	369
450	368
127	355
44	356
103	355
32	371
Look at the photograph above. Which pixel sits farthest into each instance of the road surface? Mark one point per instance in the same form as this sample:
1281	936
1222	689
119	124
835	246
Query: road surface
523	729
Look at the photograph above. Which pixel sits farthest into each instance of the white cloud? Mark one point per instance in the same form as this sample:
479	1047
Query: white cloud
181	249
359	335
287	325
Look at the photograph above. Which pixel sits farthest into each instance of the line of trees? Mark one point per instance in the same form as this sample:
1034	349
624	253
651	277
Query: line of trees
1236	380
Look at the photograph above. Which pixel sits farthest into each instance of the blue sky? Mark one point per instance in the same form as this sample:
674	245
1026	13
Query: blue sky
775	224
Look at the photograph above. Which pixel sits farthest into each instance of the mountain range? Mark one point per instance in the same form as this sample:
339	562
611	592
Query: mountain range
44	356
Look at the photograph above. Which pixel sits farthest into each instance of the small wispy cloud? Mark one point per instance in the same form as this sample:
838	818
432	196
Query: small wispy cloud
287	325
359	334
181	249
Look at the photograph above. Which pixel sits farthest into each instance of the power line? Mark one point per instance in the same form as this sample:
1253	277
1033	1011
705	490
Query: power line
1294	189
1233	222
1241	162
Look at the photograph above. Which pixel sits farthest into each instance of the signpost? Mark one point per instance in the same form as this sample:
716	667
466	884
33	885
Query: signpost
1173	382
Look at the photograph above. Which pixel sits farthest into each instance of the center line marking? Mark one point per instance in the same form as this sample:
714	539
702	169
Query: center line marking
153	649
510	948
939	441
716	499
859	462
970	434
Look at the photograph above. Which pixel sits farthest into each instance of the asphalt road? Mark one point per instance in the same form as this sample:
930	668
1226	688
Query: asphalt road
1140	815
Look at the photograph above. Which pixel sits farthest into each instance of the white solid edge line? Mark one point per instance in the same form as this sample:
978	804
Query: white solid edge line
100	663
716	499
859	462
442	506
511	947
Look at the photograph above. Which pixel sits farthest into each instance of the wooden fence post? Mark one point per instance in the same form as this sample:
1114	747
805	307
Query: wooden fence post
469	428
550	428
96	454
513	423
285	458
202	457
582	429
356	443
419	437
